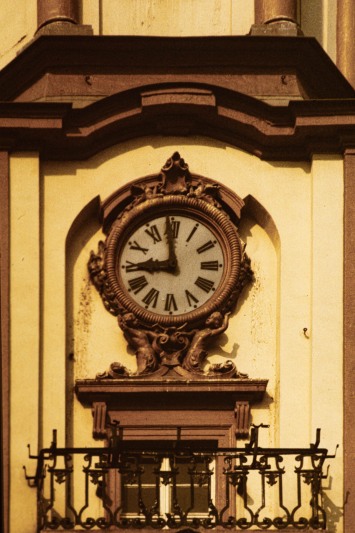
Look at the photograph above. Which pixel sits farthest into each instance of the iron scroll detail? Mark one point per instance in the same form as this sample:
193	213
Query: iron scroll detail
240	488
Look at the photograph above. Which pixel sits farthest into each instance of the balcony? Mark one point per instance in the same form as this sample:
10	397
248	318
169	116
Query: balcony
180	484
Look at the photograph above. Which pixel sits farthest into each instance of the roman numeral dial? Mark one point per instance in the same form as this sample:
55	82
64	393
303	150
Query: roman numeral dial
172	263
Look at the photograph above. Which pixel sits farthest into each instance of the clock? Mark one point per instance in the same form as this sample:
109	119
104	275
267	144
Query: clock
173	260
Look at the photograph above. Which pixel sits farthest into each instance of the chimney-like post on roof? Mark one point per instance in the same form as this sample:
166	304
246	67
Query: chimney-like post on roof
346	39
60	17
275	17
49	11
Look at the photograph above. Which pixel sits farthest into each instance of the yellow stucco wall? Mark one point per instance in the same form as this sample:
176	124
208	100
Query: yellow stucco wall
25	332
18	23
294	241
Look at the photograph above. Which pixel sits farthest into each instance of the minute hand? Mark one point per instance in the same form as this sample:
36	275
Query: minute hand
171	243
151	265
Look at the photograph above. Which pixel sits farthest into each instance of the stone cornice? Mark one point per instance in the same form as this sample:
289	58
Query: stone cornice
292	132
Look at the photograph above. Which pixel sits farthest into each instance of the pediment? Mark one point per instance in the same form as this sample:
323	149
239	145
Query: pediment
292	132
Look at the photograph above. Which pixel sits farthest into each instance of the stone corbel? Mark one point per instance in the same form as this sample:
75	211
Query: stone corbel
99	413
242	419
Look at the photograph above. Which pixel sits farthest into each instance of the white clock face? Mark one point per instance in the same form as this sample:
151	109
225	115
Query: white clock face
171	265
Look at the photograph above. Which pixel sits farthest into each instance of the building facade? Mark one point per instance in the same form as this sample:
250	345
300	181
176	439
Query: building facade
231	116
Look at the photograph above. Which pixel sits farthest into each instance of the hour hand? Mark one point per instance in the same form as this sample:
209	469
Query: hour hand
171	243
150	265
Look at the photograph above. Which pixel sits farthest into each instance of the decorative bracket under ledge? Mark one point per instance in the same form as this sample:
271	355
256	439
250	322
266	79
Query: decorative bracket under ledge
99	413
191	397
242	419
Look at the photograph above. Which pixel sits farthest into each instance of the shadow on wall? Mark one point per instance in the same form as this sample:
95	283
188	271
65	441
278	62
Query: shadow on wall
253	209
334	512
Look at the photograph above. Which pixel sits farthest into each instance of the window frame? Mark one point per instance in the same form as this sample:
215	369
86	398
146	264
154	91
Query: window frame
156	426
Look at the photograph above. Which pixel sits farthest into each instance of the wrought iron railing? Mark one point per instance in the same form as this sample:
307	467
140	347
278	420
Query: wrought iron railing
185	485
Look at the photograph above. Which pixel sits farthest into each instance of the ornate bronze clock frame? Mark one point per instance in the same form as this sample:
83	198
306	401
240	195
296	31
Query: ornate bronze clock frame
171	269
197	270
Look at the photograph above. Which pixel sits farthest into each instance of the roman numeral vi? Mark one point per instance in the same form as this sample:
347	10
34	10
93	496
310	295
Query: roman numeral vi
170	304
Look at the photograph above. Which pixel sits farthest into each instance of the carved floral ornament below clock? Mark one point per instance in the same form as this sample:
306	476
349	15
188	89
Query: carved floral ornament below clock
171	270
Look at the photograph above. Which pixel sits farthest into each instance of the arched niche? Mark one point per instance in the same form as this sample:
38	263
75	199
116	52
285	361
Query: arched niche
94	341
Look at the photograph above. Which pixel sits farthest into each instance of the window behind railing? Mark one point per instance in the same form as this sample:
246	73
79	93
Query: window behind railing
167	485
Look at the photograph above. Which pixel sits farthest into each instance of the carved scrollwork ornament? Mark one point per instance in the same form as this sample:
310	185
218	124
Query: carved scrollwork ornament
172	269
98	276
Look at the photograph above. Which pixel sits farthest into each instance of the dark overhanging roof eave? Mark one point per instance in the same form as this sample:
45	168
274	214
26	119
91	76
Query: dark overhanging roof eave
304	55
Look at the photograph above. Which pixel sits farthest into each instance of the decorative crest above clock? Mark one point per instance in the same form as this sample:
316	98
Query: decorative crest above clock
171	270
175	175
